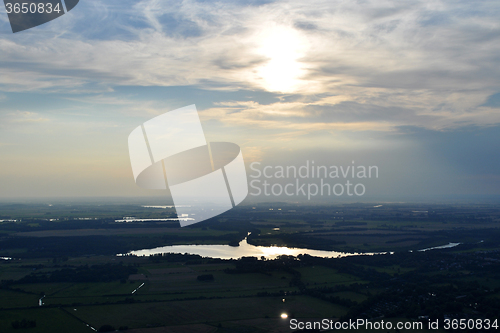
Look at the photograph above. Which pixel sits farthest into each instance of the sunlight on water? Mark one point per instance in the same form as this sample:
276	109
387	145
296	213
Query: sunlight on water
244	250
447	246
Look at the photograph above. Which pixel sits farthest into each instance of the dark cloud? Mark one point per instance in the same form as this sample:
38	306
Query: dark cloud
472	150
290	98
226	62
305	25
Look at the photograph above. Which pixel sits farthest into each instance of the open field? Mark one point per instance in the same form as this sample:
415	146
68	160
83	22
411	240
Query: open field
211	311
51	320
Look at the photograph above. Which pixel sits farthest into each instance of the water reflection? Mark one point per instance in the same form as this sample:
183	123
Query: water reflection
447	246
244	250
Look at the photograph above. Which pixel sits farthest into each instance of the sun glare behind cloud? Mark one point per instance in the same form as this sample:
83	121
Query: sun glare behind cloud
283	47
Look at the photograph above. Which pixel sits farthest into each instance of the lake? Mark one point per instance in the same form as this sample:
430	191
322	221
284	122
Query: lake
244	250
248	250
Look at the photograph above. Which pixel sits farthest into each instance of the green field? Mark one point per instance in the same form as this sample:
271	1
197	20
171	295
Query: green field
323	275
51	320
73	264
205	311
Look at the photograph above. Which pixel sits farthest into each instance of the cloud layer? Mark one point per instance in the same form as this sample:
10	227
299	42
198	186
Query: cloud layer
387	63
270	75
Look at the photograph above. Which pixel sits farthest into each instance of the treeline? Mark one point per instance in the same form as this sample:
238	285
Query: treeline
22	324
346	265
298	240
254	265
34	224
188	259
43	247
329	298
284	263
72	246
205	277
242	226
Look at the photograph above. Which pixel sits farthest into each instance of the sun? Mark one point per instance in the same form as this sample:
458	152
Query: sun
282	47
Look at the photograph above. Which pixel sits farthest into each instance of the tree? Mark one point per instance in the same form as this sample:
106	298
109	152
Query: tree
106	328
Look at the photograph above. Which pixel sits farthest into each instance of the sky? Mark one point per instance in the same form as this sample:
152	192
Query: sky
412	87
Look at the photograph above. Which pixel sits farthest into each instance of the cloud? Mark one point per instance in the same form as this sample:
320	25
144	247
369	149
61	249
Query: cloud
388	64
410	86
